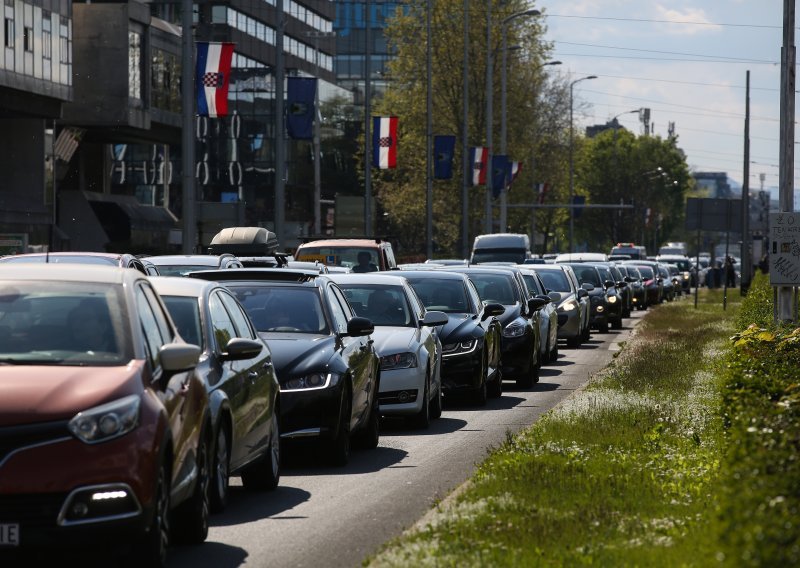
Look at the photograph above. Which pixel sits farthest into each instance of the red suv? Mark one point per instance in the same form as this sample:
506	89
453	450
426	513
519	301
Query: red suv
104	428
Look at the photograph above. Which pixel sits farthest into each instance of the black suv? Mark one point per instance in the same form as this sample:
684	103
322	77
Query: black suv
323	354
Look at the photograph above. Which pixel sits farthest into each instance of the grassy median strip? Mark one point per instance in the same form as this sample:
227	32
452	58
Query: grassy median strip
624	473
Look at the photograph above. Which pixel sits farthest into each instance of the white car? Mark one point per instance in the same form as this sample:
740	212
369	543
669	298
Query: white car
406	341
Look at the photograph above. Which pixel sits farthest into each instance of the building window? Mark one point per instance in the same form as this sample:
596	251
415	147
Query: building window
135	65
27	38
9	29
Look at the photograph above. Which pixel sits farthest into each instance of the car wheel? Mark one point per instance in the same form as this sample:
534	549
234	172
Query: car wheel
554	352
495	388
436	407
603	327
339	448
546	355
423	418
370	436
526	381
617	324
575	341
265	474
220	471
191	517
151	550
480	395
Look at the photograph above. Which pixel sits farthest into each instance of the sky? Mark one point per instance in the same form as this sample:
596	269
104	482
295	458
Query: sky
685	60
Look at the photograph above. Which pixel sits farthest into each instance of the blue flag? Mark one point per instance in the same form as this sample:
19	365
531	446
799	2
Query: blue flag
300	110
499	174
443	149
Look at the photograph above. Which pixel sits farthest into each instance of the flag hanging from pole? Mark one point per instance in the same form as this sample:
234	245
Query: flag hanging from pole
212	77
514	168
542	189
478	156
443	149
384	142
300	108
499	174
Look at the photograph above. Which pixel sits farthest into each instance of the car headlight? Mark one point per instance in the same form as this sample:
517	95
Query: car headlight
612	299
107	421
686	276
515	329
459	348
398	361
568	306
312	381
600	309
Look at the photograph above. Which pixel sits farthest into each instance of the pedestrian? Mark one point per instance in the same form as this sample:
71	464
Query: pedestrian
730	272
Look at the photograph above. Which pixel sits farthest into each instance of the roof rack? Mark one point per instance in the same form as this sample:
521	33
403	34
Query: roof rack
264	274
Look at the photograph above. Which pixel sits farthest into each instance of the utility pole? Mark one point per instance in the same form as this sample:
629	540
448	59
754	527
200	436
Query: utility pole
465	165
488	226
367	121
280	127
429	135
747	262
188	197
784	296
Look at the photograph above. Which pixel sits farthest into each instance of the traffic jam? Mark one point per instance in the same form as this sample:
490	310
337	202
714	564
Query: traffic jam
133	388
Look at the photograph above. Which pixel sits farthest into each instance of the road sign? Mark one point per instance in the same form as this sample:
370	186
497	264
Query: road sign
784	249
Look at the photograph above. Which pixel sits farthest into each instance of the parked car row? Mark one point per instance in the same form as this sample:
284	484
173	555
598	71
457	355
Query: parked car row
151	392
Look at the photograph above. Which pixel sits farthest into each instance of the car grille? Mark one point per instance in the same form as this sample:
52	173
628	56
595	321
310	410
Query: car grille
31	510
16	437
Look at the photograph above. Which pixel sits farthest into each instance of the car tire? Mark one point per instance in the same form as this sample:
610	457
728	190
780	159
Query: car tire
554	352
603	327
436	407
370	436
265	474
220	471
617	323
422	419
151	549
191	517
546	356
339	448
526	381
495	388
575	342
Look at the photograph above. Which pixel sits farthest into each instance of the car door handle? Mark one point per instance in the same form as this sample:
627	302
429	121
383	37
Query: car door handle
267	365
253	374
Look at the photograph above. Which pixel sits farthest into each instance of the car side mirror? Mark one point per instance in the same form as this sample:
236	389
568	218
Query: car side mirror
630	279
554	296
177	357
535	304
434	318
608	283
588	287
359	327
621	284
492	310
240	348
660	280
583	292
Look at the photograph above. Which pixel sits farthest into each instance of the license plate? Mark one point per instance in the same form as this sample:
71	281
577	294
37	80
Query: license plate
9	534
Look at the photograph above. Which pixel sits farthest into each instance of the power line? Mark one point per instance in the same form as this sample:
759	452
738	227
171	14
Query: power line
740	61
672	81
666	52
715	24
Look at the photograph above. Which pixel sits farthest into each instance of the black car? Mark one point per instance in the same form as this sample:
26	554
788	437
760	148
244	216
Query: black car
635	285
471	339
587	273
323	354
236	367
521	335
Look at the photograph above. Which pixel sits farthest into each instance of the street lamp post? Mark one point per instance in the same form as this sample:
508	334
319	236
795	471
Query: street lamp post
571	163
615	125
504	30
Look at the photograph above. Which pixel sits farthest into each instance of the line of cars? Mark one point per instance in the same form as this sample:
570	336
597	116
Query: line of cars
154	391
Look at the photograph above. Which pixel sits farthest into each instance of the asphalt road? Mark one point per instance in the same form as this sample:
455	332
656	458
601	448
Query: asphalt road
325	516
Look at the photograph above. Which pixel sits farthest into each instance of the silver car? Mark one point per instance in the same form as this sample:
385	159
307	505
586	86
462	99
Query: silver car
406	341
571	307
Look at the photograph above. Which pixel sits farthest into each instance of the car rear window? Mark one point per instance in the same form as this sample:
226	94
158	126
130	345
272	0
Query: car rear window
444	295
494	288
383	305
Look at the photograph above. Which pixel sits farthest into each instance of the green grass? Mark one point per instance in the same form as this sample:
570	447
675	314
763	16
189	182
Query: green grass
624	473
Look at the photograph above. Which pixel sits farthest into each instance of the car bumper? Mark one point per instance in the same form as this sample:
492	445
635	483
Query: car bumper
311	413
462	372
569	325
516	356
401	391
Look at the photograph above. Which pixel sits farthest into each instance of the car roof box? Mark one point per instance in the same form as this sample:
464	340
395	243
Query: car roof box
244	241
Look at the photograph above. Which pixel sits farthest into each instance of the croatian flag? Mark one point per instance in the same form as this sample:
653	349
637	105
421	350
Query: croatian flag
514	168
212	78
478	157
384	142
542	189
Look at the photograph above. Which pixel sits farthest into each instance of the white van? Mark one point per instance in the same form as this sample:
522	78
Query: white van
501	247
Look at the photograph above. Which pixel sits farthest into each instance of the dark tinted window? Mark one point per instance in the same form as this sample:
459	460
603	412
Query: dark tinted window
555	280
495	288
185	312
444	295
283	308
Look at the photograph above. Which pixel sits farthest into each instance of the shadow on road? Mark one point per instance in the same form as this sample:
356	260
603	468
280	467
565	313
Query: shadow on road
395	426
464	403
537	387
248	506
214	554
306	459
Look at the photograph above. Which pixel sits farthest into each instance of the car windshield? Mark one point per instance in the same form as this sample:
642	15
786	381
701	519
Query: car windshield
494	288
185	312
63	259
444	295
383	305
62	323
358	259
555	280
646	272
532	284
514	255
290	309
587	275
180	269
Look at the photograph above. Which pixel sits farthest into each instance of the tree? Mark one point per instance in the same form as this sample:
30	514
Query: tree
401	192
648	172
